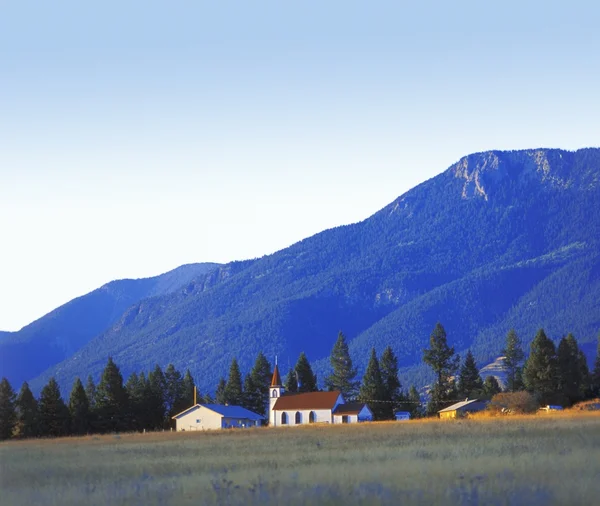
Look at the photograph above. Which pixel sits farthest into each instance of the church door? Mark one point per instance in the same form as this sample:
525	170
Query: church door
298	418
284	418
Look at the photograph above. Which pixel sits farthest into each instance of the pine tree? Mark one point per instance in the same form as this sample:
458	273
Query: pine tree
174	390
392	387
8	413
27	413
256	386
513	358
291	382
54	414
136	393
541	373
415	408
470	384
372	390
187	398
79	409
596	372
112	405
307	380
491	387
573	372
90	393
342	378
155	400
234	393
220	392
440	357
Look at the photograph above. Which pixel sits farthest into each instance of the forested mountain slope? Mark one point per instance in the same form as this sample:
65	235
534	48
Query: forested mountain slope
57	335
499	240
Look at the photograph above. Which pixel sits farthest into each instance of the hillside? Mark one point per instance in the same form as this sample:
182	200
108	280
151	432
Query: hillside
499	240
57	335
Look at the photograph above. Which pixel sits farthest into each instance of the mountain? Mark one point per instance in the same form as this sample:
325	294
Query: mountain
499	240
59	334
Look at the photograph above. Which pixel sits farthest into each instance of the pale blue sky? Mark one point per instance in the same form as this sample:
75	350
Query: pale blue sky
138	136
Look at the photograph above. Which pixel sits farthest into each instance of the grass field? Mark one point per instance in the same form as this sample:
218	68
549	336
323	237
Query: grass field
537	460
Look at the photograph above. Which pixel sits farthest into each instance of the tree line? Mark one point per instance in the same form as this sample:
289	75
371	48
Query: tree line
553	375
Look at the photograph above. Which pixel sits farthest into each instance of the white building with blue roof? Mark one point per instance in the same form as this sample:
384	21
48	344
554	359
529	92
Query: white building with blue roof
216	416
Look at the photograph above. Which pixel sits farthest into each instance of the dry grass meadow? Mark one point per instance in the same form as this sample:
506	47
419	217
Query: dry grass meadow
535	460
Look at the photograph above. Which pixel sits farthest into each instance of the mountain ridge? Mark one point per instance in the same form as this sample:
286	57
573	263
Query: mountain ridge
497	222
57	335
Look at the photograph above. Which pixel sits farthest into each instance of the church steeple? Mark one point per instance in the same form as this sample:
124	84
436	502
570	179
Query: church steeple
275	392
276	381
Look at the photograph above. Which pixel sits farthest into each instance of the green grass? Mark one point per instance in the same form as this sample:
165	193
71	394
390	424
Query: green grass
535	460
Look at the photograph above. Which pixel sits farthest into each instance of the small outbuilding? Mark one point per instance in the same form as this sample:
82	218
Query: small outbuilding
402	415
461	409
352	412
216	416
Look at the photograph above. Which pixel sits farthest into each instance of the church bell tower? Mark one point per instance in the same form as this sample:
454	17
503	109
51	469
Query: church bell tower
275	392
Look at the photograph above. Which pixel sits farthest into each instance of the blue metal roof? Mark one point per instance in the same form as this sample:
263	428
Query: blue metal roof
233	411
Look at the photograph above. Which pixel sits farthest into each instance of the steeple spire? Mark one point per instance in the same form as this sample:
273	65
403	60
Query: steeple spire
276	381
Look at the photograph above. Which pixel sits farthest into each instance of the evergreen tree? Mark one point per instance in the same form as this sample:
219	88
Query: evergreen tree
90	392
234	393
573	371
8	413
291	381
307	380
541	373
513	358
470	384
112	406
27	413
440	357
256	386
491	387
188	391
54	414
155	398
79	409
220	392
343	376
136	395
415	408
596	372
372	390
391	384
174	390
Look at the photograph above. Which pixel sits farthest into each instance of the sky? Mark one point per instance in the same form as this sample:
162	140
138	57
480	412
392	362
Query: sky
139	136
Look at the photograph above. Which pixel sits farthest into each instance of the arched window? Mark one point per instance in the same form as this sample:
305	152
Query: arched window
312	417
298	418
284	418
274	393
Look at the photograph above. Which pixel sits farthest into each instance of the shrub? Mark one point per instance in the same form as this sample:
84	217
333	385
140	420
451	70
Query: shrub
513	403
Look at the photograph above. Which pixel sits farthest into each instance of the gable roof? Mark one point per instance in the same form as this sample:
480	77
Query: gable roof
186	411
228	411
460	405
308	400
350	408
233	411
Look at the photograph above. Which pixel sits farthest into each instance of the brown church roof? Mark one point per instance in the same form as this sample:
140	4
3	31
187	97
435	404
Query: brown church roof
351	408
276	381
309	400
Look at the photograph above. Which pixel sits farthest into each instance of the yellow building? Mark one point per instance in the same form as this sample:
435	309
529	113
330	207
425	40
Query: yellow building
460	409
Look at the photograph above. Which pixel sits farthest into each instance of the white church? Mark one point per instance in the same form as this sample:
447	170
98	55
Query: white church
311	407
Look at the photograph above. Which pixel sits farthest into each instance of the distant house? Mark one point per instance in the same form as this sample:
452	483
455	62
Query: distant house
216	416
311	407
402	415
460	409
352	412
551	407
